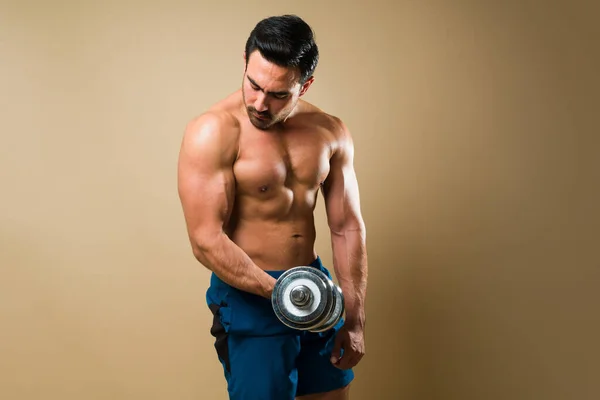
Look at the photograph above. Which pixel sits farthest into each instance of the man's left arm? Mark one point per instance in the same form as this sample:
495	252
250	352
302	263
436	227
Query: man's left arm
348	239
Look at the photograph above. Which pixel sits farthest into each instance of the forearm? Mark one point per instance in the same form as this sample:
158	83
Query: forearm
351	269
232	265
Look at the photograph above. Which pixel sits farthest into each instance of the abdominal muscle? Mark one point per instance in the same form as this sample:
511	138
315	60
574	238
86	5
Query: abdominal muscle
276	244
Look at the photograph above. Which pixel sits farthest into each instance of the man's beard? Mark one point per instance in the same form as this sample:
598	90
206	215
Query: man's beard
262	120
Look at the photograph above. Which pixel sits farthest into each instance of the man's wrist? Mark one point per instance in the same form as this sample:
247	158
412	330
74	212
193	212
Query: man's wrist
355	319
268	287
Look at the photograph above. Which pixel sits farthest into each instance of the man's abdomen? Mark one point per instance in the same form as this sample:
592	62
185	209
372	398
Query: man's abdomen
276	245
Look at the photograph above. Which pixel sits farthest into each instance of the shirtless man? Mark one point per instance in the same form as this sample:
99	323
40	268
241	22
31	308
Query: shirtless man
250	169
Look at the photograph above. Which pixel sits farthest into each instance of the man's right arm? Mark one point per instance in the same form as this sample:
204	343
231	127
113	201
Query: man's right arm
206	188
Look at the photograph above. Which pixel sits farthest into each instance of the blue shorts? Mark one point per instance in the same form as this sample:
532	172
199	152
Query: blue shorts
261	357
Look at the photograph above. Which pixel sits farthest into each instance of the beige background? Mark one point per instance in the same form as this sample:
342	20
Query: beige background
476	154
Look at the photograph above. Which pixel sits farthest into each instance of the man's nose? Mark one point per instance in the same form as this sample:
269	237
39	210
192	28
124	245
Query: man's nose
261	103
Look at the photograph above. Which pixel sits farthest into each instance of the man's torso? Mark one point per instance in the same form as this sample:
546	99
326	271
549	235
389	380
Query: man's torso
277	179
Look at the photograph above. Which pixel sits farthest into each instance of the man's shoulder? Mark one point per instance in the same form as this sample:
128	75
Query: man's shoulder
213	121
218	121
317	117
334	129
214	130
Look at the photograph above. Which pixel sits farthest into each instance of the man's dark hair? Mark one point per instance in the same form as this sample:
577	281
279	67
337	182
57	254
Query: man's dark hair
287	41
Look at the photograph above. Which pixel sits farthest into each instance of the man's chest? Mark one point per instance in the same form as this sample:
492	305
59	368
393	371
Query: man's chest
269	161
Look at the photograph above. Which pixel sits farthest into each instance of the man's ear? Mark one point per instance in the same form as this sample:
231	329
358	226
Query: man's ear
306	85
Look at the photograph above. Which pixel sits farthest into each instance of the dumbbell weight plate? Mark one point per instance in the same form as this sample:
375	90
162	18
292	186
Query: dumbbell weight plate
325	317
302	317
337	310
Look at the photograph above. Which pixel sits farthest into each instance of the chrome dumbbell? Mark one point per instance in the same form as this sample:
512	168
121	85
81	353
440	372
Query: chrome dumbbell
305	298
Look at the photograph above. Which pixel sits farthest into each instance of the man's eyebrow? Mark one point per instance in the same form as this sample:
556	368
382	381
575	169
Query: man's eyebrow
261	89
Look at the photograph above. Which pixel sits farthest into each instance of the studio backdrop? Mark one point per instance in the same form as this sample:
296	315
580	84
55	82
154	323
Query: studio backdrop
475	132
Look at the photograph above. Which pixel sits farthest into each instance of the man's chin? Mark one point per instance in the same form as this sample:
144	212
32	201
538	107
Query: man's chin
261	123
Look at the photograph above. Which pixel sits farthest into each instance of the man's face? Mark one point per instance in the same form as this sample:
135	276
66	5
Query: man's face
270	92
